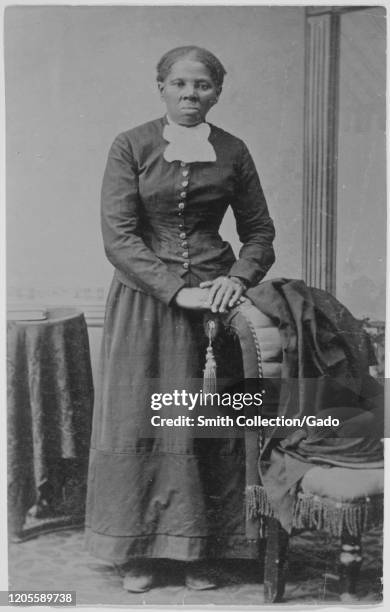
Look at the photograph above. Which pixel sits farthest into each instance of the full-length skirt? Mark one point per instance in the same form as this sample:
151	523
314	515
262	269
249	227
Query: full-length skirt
154	491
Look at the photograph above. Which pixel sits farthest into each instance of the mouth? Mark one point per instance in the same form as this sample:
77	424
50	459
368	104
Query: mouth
187	104
191	107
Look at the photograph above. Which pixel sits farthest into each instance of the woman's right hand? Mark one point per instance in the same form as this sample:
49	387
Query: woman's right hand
193	298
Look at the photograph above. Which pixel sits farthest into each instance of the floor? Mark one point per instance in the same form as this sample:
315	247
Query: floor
58	561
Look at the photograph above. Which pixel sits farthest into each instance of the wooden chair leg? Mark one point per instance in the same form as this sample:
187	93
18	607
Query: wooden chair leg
350	561
275	562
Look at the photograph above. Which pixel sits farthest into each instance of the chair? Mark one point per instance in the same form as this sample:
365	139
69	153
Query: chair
342	501
346	512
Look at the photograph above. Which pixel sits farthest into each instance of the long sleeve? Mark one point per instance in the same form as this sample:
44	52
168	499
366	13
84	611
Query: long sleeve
254	225
120	218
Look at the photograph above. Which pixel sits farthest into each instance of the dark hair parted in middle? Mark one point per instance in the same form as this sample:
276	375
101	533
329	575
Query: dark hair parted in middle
198	54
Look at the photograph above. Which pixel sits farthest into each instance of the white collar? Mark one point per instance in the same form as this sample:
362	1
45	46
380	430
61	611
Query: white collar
188	144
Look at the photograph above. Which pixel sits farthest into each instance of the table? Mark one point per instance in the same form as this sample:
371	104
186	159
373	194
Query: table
50	400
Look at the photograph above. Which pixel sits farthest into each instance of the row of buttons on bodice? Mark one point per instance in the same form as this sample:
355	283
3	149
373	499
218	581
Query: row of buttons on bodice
181	206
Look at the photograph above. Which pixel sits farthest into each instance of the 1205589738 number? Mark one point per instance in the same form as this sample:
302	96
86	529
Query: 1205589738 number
38	598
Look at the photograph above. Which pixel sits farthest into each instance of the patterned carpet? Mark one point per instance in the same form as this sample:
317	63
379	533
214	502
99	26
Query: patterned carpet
58	561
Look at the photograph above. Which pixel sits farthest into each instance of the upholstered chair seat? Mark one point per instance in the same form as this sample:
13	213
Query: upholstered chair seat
343	484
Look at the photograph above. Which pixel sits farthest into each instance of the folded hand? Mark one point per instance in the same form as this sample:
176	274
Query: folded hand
224	292
193	298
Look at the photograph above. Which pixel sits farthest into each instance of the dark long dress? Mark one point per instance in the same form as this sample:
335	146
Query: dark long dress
161	492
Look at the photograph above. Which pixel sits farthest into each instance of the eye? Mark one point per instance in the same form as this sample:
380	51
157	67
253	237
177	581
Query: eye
178	83
204	86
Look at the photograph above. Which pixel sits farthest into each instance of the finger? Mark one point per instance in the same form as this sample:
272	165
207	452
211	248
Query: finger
225	300
217	300
209	283
214	289
236	297
204	284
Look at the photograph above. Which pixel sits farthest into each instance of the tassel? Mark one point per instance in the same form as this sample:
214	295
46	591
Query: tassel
210	370
257	502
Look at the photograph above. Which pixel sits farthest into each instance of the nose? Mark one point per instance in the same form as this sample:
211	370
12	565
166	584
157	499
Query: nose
189	91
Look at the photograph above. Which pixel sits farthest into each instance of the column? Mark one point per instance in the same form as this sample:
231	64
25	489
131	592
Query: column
320	147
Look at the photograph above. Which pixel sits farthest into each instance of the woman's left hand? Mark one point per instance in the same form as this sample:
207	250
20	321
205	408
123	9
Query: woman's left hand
225	292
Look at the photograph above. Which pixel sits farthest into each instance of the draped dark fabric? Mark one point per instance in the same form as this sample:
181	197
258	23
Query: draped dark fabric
50	399
325	372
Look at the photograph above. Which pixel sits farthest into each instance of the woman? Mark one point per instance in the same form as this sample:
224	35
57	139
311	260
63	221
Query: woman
160	492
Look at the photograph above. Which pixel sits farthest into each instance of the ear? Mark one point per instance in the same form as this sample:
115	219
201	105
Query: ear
160	86
218	93
216	98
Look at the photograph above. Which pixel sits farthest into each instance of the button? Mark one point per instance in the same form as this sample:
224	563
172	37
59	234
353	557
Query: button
186	265
184	243
182	234
185	172
181	226
181	205
183	164
184	183
185	254
183	194
180	213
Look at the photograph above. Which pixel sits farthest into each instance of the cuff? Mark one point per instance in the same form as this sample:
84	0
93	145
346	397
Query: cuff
248	272
244	281
171	292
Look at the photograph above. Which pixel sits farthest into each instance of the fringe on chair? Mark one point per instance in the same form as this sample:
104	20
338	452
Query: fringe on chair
321	513
315	512
257	503
257	510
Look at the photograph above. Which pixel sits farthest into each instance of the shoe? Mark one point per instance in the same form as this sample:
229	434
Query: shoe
138	579
198	577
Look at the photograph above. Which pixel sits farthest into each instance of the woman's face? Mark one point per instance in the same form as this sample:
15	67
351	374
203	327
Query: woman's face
188	92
